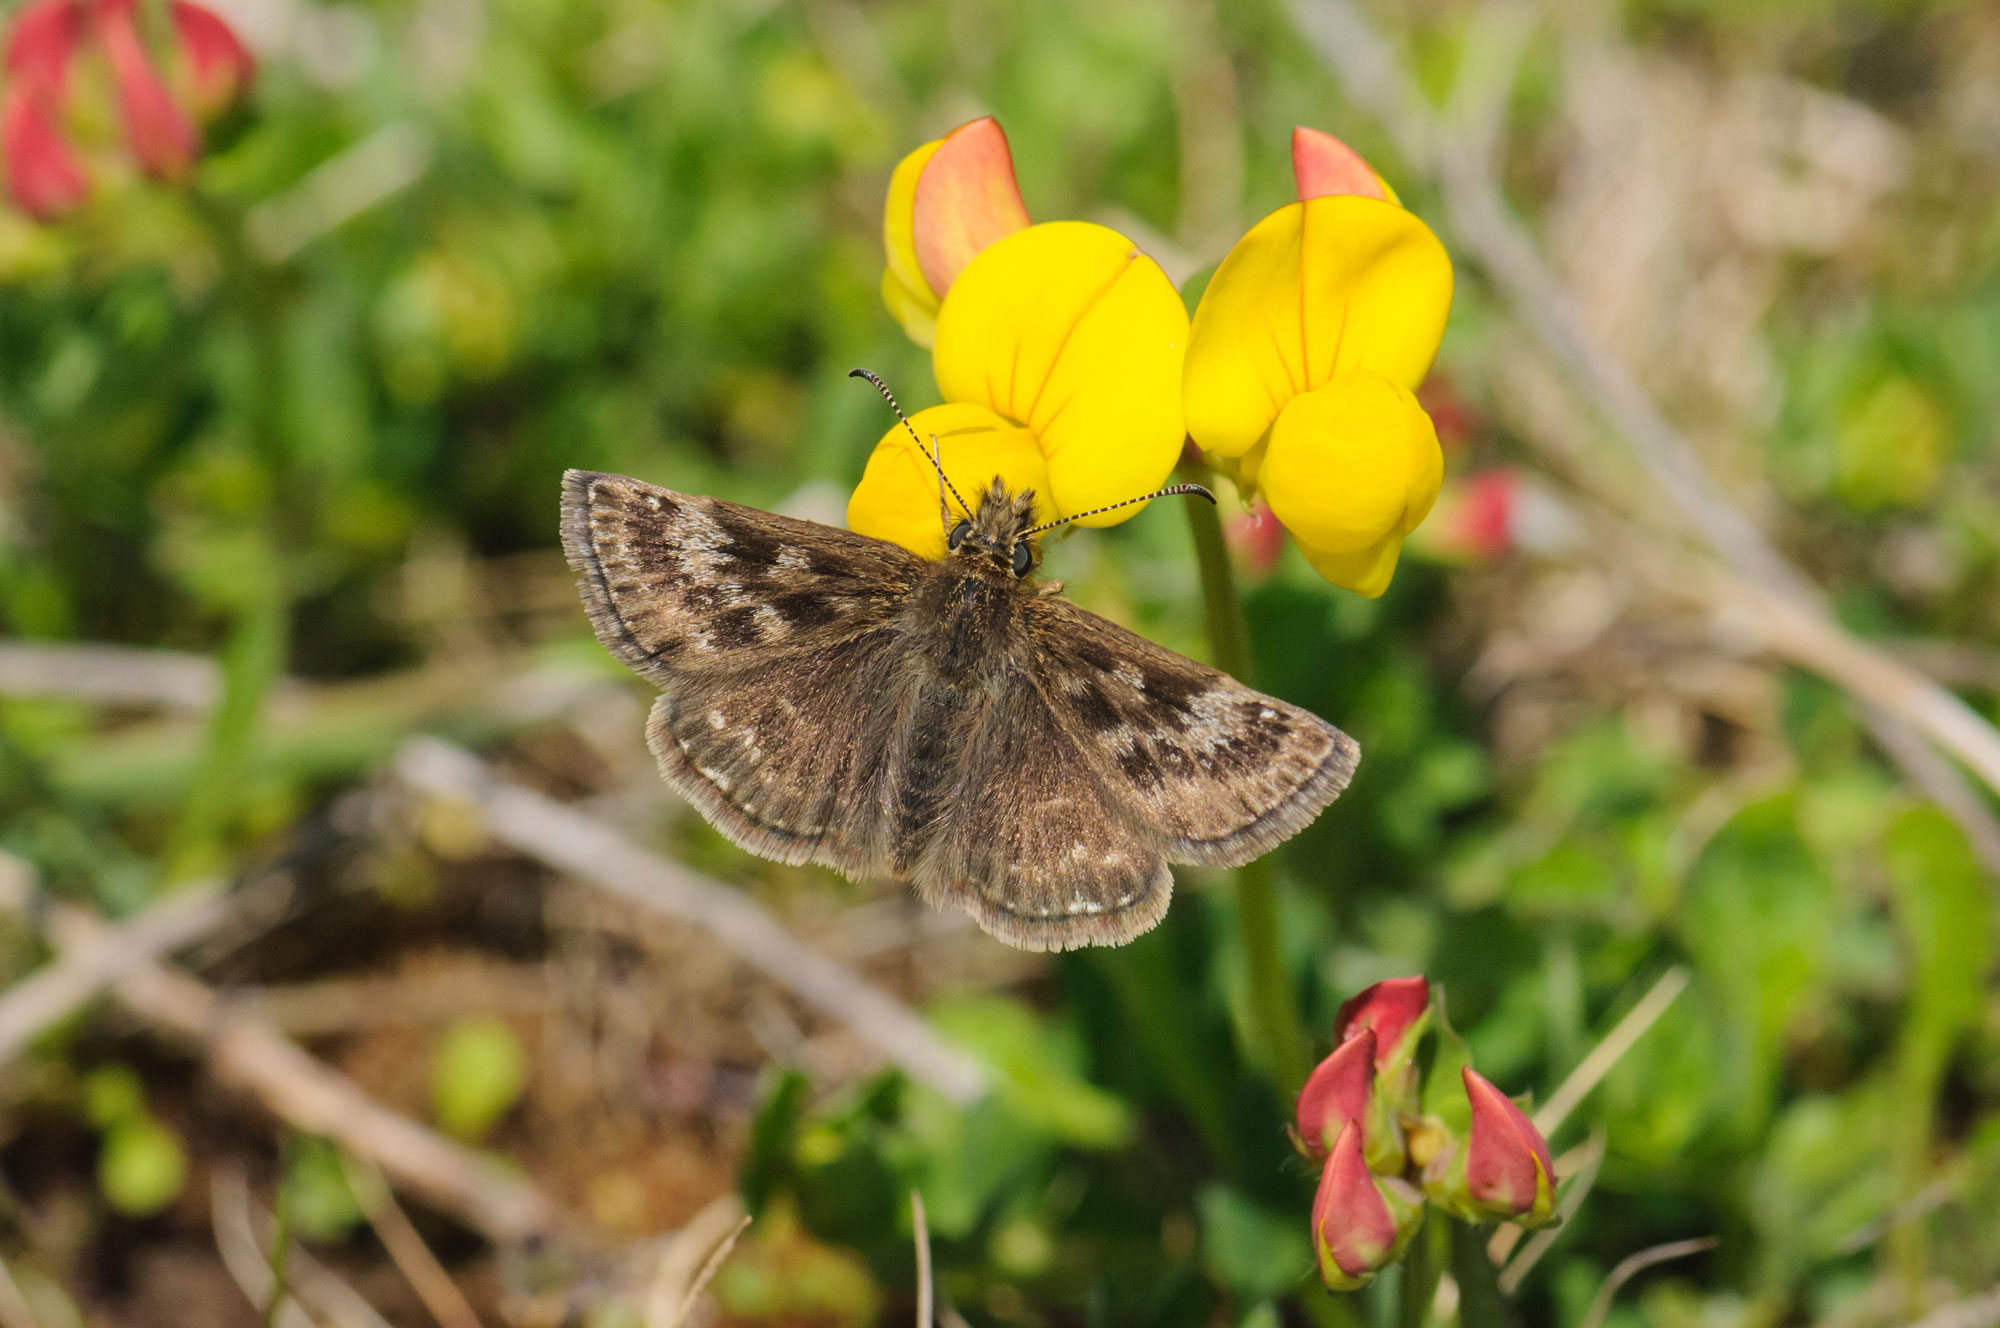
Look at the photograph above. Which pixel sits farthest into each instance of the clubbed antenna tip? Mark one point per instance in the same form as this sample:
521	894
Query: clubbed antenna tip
930	454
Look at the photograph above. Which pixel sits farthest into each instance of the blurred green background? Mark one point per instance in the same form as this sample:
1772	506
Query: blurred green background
305	418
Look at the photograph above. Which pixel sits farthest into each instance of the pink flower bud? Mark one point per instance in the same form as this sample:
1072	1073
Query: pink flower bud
1360	1222
1508	1171
160	133
1394	1009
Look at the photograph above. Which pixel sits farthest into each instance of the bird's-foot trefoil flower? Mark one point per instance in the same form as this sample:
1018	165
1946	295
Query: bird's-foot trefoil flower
1302	361
1057	348
46	164
1361	1222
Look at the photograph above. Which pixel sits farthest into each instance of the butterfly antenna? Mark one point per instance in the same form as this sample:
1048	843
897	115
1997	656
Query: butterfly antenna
930	453
1171	491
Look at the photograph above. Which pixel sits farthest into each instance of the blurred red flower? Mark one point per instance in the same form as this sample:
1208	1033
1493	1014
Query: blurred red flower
45	173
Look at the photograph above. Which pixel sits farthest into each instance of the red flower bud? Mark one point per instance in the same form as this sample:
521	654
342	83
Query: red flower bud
160	133
219	66
1360	1223
41	43
1257	537
43	175
1336	1093
1508	1171
1394	1009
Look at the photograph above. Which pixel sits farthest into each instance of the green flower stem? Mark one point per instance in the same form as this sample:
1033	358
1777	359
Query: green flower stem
253	660
1278	1029
1423	1269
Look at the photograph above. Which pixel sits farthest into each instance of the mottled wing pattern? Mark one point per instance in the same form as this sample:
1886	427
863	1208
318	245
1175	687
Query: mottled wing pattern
1224	772
1030	842
771	640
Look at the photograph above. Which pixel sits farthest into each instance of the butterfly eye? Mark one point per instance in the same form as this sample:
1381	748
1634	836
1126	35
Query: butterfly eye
1024	558
958	534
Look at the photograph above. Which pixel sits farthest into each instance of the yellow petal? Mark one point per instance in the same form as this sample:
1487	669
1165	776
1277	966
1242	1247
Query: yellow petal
904	289
1366	573
916	311
1068	329
897	498
965	199
1317	288
1350	469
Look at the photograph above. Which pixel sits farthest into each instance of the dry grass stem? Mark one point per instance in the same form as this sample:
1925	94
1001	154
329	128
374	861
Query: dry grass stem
1981	1311
406	1247
691	1259
1585	1169
246	1256
1631	1266
1590	1071
922	1235
63	986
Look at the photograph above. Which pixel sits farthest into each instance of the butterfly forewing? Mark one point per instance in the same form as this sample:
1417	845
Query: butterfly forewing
678	585
772	642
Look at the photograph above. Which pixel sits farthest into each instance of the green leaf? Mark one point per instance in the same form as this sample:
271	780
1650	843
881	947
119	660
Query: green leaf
1248	1249
142	1167
1444	1086
113	1093
318	1202
1039	1070
477	1073
1942	908
767	1158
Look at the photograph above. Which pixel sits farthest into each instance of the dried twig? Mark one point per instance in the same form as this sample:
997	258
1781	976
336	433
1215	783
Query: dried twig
1632	1266
587	848
15	1311
691	1259
1350	46
119	675
59	989
1981	1311
407	1250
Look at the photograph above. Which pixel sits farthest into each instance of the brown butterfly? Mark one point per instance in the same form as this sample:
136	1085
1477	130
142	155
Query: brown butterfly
832	698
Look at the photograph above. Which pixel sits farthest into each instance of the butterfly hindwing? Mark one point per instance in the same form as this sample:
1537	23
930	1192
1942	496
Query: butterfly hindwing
1032	844
1225	772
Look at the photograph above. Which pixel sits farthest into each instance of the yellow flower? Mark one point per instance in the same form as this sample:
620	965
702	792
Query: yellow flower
1057	349
1302	357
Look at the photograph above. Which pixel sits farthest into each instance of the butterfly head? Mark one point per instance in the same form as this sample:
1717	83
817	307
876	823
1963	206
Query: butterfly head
998	532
